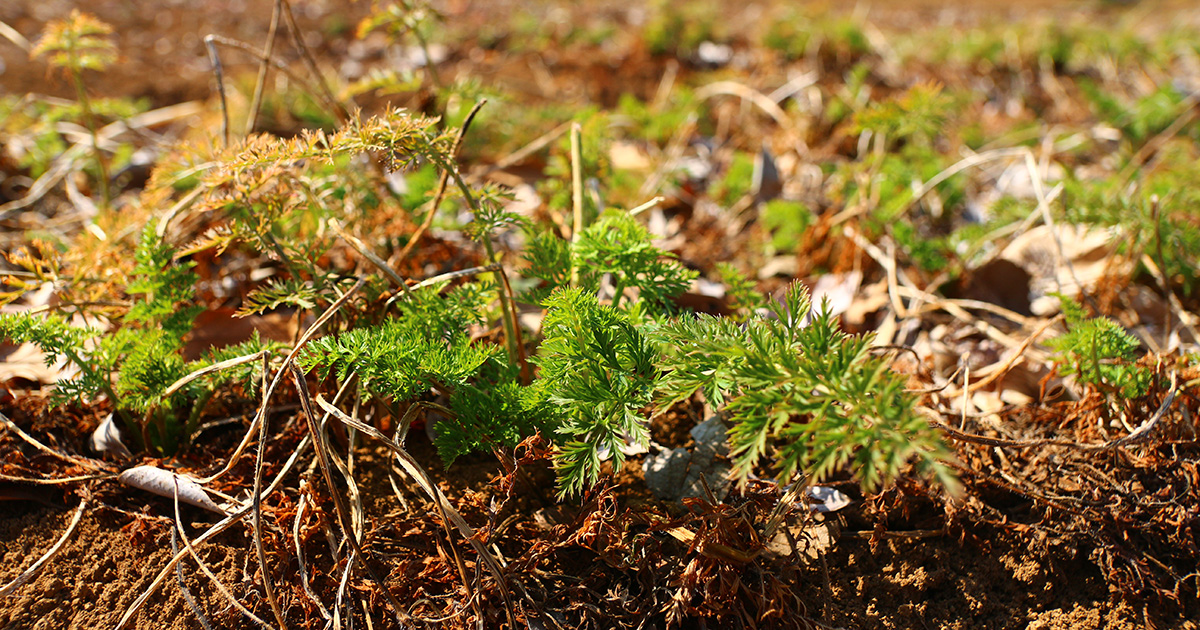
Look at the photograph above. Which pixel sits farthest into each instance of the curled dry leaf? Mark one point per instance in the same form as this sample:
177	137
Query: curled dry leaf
826	499
26	362
221	327
165	483
765	183
107	439
1087	256
841	289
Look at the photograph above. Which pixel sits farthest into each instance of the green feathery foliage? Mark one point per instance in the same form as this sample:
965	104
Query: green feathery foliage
81	42
426	348
616	245
134	364
549	259
277	293
1098	351
741	294
491	217
596	372
164	283
77	43
401	138
917	115
59	340
797	388
398	359
495	412
427	345
56	337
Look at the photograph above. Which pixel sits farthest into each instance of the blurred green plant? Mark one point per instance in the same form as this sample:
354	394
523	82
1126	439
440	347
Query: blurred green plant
741	293
1158	215
34	128
401	18
786	221
75	45
678	29
1139	118
737	180
796	33
1099	352
617	249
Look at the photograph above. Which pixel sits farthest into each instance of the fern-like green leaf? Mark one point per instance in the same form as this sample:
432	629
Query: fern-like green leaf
1099	351
619	245
799	390
398	359
597	371
277	293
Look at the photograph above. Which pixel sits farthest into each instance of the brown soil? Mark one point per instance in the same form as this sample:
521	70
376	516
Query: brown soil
108	562
904	583
920	571
939	583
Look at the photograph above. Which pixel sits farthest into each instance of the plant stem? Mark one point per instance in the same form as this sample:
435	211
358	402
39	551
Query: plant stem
430	67
509	320
507	311
618	290
90	120
193	419
88	373
215	59
326	94
263	66
576	196
442	181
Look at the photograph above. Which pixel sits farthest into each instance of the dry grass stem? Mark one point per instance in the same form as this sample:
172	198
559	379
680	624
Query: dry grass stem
748	94
32	441
576	191
214	57
261	82
344	520
217	583
213	369
302	564
443	181
326	94
192	604
447	509
287	362
520	155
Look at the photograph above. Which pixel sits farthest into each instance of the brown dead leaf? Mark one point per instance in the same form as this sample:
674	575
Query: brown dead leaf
1087	257
219	328
26	362
628	156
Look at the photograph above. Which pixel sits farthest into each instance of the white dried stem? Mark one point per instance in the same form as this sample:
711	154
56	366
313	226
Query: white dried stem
220	586
288	361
